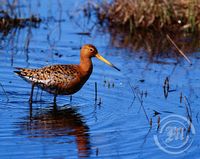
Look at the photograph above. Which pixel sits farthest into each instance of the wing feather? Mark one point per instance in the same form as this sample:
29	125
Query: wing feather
49	75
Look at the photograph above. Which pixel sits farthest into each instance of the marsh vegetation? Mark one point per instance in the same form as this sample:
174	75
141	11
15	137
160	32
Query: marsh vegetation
143	25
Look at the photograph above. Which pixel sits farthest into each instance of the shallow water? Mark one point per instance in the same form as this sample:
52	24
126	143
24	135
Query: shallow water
116	125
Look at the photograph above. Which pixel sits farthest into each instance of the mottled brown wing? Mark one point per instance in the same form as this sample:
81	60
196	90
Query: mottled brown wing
50	75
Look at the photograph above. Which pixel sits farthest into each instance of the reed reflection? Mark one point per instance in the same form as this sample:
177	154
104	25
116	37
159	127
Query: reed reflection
59	121
155	43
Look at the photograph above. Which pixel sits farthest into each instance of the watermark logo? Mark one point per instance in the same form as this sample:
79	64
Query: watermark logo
175	134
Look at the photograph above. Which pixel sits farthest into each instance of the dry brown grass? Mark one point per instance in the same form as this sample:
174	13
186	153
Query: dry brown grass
7	21
162	14
11	16
144	24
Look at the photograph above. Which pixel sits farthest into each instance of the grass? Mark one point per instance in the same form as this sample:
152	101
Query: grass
151	14
143	25
7	22
11	16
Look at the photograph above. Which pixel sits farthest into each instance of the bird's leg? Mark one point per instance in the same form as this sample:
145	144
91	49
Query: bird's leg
54	99
31	95
30	111
70	99
54	103
54	107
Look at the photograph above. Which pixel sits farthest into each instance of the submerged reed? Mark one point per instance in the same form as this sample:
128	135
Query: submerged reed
13	15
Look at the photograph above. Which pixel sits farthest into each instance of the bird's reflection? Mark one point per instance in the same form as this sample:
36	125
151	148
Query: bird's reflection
59	121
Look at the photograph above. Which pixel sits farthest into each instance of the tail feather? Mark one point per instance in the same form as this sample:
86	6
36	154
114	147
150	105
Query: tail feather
20	71
24	73
17	72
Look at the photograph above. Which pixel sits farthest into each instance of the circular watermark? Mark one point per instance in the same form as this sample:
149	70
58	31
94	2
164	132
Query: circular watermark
175	134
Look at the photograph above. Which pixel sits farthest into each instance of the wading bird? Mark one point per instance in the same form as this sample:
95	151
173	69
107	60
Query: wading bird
63	79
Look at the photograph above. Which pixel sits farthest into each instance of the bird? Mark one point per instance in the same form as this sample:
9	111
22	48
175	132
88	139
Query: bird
63	79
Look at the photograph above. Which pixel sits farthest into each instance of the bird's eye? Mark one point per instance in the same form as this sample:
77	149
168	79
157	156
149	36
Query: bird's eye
91	49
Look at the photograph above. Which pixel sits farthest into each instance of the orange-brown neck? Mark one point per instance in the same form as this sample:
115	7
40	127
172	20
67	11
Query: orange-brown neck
86	65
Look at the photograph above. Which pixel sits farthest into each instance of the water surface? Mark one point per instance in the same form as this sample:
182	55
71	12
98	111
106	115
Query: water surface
115	126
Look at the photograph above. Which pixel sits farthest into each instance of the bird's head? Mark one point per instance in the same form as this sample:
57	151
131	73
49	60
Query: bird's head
89	51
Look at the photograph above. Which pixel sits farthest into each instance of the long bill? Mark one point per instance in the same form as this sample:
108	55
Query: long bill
106	61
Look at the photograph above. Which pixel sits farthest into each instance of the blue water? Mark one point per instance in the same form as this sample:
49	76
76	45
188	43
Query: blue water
116	125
